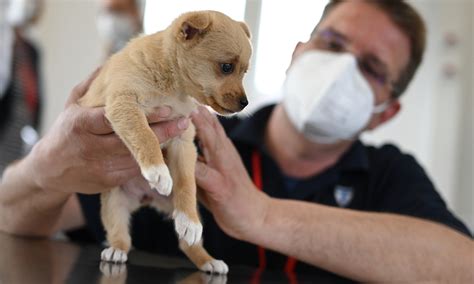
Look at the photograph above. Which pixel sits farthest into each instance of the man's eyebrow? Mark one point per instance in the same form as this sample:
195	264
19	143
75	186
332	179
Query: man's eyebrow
334	33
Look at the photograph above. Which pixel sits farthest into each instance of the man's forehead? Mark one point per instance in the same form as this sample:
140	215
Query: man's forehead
370	31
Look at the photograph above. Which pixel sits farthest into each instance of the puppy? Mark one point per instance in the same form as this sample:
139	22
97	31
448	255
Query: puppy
200	58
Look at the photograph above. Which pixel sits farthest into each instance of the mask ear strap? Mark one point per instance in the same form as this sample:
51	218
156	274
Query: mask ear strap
381	107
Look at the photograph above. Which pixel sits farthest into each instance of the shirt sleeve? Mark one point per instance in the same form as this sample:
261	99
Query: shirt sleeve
405	188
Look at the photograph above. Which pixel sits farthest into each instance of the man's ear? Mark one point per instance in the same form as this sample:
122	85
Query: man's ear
195	24
392	110
246	29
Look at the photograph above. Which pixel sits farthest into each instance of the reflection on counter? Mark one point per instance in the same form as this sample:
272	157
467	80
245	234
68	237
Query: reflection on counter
117	273
30	260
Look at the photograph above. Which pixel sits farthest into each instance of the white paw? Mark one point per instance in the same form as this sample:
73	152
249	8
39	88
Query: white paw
113	255
159	178
189	231
112	269
215	266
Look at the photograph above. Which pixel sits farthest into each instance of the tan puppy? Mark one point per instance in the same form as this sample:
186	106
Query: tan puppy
200	58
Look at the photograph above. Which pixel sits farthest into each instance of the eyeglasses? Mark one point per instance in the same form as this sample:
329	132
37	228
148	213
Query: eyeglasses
369	64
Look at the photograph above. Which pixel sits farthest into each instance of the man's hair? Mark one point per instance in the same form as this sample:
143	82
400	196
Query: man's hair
407	19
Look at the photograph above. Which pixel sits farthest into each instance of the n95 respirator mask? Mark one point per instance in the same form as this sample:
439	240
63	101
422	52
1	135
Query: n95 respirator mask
327	98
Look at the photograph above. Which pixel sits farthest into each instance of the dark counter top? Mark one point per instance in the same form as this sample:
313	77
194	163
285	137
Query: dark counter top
30	260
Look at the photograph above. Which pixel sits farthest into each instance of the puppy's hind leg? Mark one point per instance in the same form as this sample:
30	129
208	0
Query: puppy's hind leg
201	258
182	155
196	253
115	213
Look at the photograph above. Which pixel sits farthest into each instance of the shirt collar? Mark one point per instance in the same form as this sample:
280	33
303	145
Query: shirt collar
251	131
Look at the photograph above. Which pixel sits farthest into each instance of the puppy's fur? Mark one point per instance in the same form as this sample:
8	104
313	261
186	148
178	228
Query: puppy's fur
200	58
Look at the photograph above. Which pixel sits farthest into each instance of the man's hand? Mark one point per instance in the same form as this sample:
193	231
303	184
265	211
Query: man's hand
225	186
80	153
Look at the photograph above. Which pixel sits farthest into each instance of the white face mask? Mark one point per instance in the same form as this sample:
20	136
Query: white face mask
117	29
327	98
21	12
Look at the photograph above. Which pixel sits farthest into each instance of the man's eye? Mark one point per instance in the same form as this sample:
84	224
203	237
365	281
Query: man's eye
227	68
334	46
371	71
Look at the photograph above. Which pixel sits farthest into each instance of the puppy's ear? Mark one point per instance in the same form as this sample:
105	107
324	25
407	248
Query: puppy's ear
246	29
195	24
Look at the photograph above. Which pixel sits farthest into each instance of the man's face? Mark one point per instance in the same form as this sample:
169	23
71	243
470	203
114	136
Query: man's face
368	33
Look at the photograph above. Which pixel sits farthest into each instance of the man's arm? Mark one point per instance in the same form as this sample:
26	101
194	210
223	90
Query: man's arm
366	246
362	246
79	154
25	208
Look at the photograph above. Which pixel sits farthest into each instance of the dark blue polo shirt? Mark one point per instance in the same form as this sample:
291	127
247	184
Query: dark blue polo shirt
365	178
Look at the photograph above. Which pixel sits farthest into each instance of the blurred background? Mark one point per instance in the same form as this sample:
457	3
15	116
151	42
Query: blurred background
435	124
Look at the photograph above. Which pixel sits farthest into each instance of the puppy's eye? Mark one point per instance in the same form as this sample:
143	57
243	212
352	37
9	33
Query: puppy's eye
227	68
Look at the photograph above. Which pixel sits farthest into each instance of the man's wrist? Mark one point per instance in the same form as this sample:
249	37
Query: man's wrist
256	231
31	167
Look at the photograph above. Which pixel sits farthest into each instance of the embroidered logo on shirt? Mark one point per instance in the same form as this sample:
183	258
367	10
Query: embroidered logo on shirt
343	195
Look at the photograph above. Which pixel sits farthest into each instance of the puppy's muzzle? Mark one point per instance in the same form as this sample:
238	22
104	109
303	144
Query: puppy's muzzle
240	103
234	102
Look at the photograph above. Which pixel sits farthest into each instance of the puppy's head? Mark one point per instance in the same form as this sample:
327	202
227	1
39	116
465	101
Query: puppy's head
213	53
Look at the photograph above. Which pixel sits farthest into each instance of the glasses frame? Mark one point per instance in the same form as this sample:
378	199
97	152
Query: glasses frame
332	41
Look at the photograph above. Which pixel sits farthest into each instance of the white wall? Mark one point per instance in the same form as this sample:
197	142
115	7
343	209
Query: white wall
70	50
464	200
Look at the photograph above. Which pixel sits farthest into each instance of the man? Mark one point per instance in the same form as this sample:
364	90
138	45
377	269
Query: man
299	155
386	233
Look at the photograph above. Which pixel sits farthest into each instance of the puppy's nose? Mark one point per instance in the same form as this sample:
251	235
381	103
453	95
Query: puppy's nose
243	102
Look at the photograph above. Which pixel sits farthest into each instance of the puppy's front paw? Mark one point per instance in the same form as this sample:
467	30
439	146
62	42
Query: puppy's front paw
215	266
112	254
159	178
189	231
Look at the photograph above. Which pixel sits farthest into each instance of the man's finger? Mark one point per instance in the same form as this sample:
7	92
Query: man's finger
170	129
215	124
81	89
95	122
204	129
159	114
114	163
207	178
122	176
212	120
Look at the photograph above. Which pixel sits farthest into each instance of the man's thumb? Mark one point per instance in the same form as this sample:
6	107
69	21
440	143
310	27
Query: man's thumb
202	170
205	176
